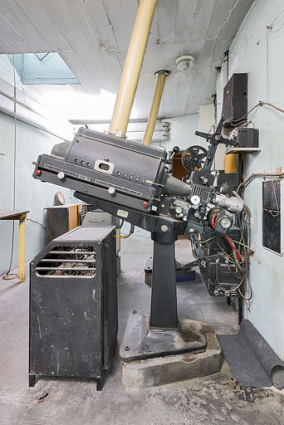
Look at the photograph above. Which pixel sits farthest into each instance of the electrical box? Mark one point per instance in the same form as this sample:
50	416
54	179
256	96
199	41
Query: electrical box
228	182
60	219
220	278
246	137
235	99
271	215
73	305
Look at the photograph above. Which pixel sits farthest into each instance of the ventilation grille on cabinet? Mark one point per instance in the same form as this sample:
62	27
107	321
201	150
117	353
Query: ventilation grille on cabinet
68	261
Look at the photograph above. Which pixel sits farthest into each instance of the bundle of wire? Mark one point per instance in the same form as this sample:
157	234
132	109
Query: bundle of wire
239	256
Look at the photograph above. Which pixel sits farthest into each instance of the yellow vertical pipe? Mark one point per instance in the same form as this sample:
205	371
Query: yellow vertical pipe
22	271
162	75
231	163
132	67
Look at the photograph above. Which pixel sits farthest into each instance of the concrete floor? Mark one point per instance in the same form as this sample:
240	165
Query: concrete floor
213	400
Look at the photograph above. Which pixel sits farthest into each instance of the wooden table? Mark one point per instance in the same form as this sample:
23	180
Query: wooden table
21	216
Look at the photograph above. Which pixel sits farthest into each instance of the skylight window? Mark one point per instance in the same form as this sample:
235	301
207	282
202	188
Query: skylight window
43	68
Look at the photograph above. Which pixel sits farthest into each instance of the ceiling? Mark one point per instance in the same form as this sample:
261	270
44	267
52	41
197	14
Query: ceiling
92	37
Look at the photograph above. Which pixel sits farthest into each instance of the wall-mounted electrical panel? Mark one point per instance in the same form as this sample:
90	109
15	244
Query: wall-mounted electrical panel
246	137
235	99
271	215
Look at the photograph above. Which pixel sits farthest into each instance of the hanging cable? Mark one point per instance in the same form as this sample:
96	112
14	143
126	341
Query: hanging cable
260	103
254	175
227	238
132	227
233	246
9	275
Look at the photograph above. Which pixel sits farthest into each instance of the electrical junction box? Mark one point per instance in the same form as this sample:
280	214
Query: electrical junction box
235	100
246	137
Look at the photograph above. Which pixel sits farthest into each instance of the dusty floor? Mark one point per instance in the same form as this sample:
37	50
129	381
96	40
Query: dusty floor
217	399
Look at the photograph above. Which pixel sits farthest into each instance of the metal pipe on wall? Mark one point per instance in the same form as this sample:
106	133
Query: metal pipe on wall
132	67
162	75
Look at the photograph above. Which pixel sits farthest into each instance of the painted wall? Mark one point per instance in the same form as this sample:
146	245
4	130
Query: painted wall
258	50
39	110
182	132
31	194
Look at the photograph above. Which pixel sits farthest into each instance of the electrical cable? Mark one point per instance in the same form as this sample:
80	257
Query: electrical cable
227	238
132	227
121	224
242	244
260	103
247	252
235	288
250	289
233	246
254	175
192	248
36	222
9	275
207	240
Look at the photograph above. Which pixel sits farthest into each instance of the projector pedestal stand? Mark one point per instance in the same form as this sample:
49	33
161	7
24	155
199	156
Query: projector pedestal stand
161	333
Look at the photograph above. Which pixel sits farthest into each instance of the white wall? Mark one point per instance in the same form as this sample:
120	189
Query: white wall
206	121
259	52
35	110
31	194
182	132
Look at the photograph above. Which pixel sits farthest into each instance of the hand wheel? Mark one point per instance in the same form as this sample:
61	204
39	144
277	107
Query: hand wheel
193	158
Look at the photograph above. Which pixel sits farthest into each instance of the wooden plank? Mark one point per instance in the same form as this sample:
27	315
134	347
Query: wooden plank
22	248
73	217
12	214
242	150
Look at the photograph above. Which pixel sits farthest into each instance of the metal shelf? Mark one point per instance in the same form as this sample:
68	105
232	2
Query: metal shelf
242	150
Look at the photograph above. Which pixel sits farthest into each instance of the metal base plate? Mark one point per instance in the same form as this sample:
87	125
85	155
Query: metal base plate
140	342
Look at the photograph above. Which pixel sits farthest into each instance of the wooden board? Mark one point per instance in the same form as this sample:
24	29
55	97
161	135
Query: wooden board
12	214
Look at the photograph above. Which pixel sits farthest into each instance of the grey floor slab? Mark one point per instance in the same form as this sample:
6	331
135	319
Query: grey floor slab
212	400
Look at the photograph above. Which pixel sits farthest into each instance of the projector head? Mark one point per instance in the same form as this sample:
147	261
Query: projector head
127	177
110	168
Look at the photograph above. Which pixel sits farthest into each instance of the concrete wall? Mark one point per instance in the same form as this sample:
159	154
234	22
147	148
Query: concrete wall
258	50
31	194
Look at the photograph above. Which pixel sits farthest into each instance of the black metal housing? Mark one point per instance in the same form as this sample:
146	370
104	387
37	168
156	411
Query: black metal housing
235	99
219	277
134	172
73	305
228	182
271	215
247	137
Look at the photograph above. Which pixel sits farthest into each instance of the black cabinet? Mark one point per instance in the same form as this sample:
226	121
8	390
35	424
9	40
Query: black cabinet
73	305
